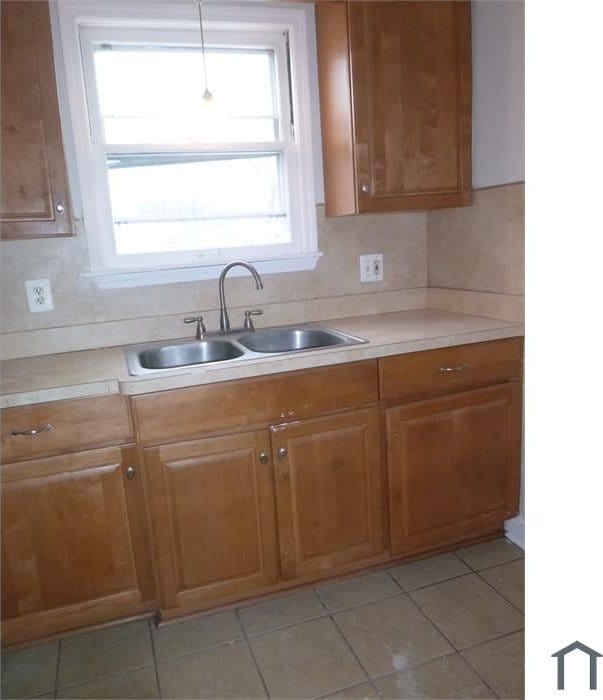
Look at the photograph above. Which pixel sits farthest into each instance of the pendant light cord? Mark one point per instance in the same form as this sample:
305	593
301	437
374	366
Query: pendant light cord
207	94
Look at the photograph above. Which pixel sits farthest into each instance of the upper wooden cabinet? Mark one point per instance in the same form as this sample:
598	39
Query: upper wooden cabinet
35	198
395	101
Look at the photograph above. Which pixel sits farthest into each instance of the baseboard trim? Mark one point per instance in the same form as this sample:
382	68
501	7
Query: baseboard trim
515	531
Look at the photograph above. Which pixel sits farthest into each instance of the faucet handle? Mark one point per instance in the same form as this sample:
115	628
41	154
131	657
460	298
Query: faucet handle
248	320
201	330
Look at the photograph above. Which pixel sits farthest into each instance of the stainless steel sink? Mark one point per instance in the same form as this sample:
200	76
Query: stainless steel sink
198	352
272	340
233	347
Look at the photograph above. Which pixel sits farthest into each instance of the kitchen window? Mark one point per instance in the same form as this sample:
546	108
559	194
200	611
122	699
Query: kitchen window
173	185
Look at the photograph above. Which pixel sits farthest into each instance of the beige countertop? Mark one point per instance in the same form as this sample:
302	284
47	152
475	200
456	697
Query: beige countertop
94	372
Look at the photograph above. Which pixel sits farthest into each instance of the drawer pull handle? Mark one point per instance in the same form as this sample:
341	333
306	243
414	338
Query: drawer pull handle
130	473
458	368
282	452
33	431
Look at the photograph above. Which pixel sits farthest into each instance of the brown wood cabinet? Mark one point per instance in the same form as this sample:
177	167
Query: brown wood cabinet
74	544
35	197
453	442
240	514
214	529
252	486
328	492
395	101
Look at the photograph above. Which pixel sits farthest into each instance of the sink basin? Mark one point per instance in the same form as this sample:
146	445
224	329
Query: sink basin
194	353
291	339
239	345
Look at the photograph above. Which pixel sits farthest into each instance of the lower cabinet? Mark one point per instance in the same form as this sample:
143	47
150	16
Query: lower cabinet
329	492
245	513
454	465
214	529
74	542
215	504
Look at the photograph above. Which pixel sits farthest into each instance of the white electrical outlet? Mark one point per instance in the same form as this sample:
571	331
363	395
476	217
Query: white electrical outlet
39	295
371	267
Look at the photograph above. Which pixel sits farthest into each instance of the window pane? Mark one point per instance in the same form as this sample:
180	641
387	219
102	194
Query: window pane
178	202
155	95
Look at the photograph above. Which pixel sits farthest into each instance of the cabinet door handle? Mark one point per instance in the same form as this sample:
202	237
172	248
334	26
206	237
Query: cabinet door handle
264	457
33	431
130	473
458	368
282	452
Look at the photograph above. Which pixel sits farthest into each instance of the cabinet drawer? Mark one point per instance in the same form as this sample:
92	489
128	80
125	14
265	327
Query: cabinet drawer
438	372
64	426
168	416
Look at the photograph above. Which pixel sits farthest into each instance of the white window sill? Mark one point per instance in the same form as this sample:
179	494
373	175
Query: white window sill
121	279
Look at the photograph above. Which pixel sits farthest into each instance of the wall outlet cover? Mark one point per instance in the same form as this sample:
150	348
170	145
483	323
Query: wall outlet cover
39	296
371	267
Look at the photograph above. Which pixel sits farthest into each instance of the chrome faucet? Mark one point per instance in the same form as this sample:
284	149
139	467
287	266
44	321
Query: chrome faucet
224	320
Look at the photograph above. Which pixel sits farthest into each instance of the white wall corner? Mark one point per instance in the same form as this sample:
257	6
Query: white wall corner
515	531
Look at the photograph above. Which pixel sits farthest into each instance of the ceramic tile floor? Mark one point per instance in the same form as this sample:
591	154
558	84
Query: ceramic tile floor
450	626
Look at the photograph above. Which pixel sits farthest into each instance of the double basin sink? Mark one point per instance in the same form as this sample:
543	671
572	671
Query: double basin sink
233	347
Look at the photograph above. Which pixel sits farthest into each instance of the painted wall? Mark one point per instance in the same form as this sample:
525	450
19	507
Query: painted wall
498	92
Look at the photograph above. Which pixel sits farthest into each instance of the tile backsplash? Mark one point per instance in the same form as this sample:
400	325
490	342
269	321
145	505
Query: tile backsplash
476	254
468	260
85	317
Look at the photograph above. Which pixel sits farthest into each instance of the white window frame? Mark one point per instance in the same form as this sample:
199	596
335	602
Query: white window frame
81	22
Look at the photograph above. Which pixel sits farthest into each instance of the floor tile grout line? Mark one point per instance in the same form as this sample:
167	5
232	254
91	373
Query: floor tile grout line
360	605
415	666
155	663
435	583
472	668
255	661
56	670
494	639
106	676
502	595
348	645
457	650
502	563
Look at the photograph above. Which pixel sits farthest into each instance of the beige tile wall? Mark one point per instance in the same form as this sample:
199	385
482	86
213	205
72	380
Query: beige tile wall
471	257
85	317
476	254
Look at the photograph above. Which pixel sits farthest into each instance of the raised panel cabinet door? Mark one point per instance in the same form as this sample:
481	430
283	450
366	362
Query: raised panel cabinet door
74	542
329	492
35	198
213	513
411	76
395	92
454	466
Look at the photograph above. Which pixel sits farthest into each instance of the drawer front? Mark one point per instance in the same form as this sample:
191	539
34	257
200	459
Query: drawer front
437	372
64	426
168	416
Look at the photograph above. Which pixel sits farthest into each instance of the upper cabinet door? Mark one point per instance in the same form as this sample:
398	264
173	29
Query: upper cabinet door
35	200
395	87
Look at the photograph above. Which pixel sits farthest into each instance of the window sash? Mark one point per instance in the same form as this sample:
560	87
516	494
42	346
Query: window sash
275	41
74	21
89	38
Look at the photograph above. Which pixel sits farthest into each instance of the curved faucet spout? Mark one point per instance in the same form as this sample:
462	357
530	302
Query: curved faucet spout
224	320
